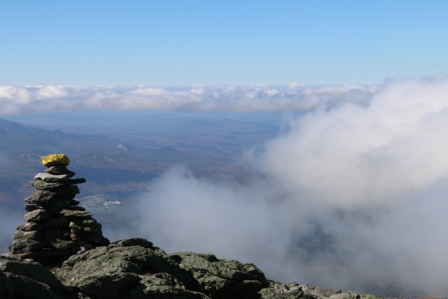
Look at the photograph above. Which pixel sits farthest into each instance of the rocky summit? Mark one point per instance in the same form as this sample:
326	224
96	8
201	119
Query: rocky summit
60	253
135	269
55	223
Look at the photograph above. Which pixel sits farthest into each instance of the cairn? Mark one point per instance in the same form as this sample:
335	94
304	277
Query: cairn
55	224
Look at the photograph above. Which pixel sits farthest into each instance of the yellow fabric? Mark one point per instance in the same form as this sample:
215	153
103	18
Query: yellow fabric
55	159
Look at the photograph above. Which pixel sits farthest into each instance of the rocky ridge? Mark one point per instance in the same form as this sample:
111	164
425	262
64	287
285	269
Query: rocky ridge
135	269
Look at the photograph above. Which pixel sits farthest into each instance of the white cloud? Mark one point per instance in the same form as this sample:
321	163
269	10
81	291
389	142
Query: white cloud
51	91
370	180
7	91
294	85
148	91
271	92
197	90
48	98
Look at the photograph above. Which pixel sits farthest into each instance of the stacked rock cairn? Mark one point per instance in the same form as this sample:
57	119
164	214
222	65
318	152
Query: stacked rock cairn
55	224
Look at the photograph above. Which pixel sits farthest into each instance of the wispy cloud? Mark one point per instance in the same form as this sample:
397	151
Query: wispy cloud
345	197
48	98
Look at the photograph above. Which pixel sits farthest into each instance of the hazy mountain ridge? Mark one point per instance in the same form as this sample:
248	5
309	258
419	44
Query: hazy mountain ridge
115	155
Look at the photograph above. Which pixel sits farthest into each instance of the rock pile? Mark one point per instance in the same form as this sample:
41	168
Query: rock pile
55	224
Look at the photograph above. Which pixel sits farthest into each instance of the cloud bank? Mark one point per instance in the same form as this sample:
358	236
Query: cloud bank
49	98
348	196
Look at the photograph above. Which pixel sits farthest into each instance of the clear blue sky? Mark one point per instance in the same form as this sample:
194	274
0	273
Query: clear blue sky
166	42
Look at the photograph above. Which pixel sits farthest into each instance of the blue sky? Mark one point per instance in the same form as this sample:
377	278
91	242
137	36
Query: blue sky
171	43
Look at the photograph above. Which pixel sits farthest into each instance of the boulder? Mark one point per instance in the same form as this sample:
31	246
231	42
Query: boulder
162	285
125	270
223	279
29	280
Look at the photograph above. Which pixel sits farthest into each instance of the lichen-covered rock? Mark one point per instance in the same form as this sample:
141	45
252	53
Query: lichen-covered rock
290	290
28	280
75	214
55	159
161	285
115	270
293	290
223	279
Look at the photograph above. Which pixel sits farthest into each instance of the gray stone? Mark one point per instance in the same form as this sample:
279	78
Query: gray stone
29	226
75	214
161	285
44	253
277	290
110	272
32	207
48	177
41	197
133	242
58	169
223	278
325	292
63	245
75	208
29	280
43	185
36	216
26	245
35	235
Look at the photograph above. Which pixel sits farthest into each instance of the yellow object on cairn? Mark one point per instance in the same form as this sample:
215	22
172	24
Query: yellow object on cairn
55	159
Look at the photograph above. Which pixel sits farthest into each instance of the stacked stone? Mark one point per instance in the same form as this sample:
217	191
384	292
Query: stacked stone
55	224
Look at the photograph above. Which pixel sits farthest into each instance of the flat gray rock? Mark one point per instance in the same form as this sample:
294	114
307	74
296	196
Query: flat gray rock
29	226
48	177
35	235
75	214
36	216
25	246
41	197
43	185
57	169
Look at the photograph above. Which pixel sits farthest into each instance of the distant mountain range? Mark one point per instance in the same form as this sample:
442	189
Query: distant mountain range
122	155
